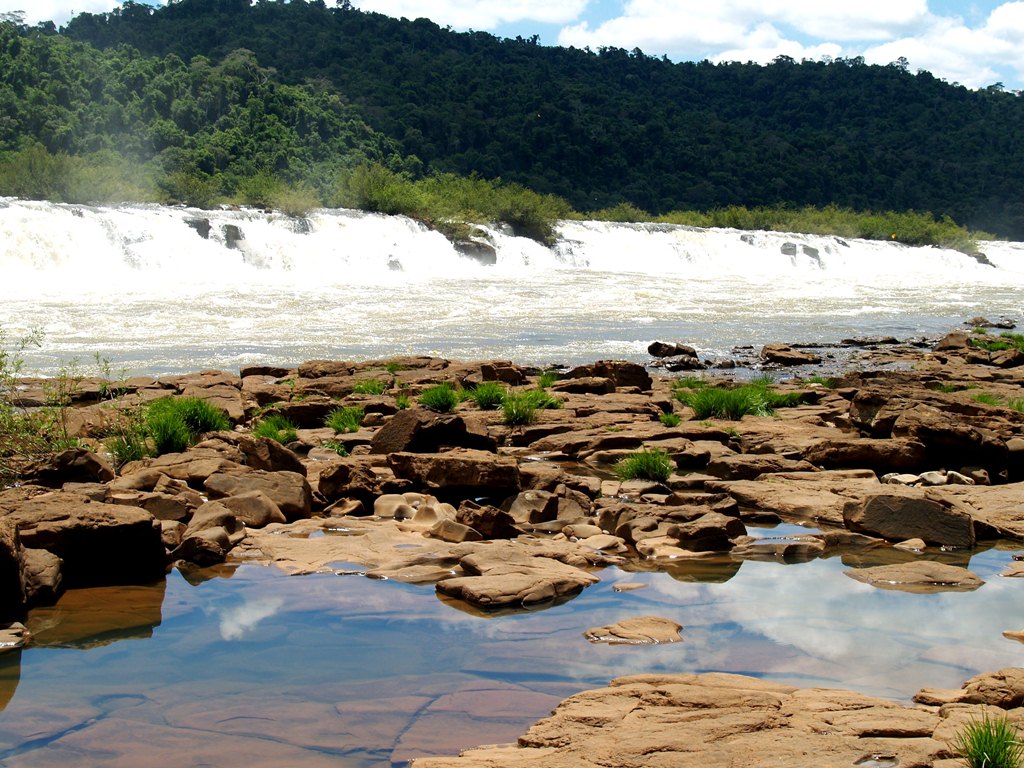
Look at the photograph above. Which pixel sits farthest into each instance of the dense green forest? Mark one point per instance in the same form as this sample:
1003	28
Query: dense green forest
611	126
298	104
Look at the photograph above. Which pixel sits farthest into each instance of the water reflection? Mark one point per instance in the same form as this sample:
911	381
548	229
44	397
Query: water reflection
264	669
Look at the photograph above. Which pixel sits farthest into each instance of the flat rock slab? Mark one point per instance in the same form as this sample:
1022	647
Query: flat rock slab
641	630
921	577
714	721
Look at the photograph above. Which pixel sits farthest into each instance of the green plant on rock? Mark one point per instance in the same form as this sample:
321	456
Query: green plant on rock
441	398
175	423
991	742
645	464
370	387
547	378
488	395
277	428
987	398
670	419
519	409
402	401
345	419
335	445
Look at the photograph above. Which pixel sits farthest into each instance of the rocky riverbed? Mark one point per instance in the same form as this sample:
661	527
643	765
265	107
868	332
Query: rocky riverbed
903	461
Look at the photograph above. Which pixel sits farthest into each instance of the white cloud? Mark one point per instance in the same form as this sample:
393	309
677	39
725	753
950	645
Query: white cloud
237	622
58	11
475	14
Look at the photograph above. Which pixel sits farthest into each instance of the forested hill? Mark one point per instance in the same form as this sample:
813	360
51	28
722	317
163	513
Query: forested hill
603	127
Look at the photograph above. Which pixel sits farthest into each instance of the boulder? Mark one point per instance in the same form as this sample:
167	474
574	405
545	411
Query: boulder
711	532
459	471
349	478
289	490
206	547
585	385
623	373
254	509
663	349
881	456
783	354
99	543
504	580
641	630
44	581
75	465
490	522
420	431
532	507
900	514
748	466
920	576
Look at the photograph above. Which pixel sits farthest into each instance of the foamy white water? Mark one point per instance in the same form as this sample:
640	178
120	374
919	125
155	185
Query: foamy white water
142	286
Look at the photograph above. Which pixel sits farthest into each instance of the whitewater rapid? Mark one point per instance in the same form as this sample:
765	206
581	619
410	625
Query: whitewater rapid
159	289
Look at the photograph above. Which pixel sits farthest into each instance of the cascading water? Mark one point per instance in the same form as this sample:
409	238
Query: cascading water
161	289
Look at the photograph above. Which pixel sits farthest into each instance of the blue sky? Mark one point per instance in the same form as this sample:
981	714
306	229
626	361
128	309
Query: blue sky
972	43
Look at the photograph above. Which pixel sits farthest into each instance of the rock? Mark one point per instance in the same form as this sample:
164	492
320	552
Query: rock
289	490
419	431
711	532
75	465
1003	689
585	385
683	363
12	566
911	545
957	340
643	630
909	514
879	455
748	466
211	515
263	453
13	636
395	506
504	371
254	509
461	470
490	522
44	582
350	478
532	506
783	354
623	373
921	576
715	720
99	543
663	349
453	531
206	547
1007	358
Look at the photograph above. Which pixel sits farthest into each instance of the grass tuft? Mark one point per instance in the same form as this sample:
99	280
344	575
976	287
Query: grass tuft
519	408
441	398
277	428
370	387
175	423
645	465
991	742
547	378
487	396
343	420
670	419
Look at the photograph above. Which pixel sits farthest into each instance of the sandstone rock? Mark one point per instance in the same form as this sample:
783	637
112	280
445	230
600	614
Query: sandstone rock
585	385
12	565
419	431
783	354
709	532
262	453
911	514
288	490
956	340
743	466
460	470
532	506
642	630
44	582
453	531
213	514
868	453
720	720
623	373
99	543
350	477
75	465
254	509
919	576
490	522
206	547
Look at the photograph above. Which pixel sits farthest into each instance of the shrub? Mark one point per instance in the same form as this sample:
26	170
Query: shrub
175	423
441	398
168	430
670	419
645	465
723	403
487	396
277	428
345	419
370	387
990	742
547	378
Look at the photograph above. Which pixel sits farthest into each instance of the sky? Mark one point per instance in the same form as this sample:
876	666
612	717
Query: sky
975	44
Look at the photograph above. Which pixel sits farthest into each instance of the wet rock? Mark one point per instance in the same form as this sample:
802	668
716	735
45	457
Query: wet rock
663	349
507	578
44	581
921	576
908	514
642	630
490	522
206	547
709	532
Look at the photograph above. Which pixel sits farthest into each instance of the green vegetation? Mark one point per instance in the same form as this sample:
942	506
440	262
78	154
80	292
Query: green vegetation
670	419
441	398
175	423
991	742
829	382
277	428
345	419
547	378
1016	404
689	382
519	408
733	403
402	401
335	445
645	465
488	395
605	129
987	398
370	387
